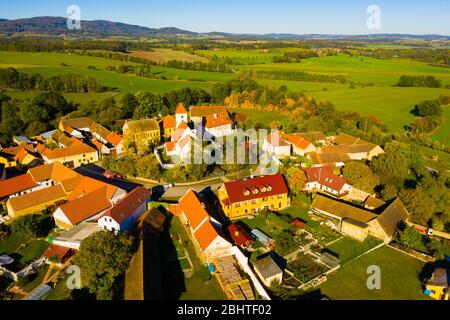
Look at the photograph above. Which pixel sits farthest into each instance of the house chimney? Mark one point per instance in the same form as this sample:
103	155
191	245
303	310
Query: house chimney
236	233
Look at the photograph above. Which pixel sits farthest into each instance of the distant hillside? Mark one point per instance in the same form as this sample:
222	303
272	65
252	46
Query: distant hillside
102	28
58	25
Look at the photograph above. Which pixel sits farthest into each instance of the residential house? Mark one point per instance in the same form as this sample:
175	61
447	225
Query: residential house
355	148
24	155
21	140
126	212
72	239
268	271
207	232
218	125
324	179
16	186
247	197
198	114
181	142
357	222
139	135
438	287
36	201
328	159
84	209
275	144
74	156
300	145
168	125
181	115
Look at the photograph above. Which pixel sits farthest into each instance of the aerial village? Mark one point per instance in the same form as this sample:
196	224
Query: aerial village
242	238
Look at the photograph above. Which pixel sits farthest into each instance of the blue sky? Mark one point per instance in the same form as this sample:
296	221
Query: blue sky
252	16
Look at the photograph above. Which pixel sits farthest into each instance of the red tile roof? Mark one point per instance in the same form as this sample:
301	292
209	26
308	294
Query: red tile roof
16	184
180	109
170	146
114	138
237	189
205	235
128	205
239	235
326	177
56	251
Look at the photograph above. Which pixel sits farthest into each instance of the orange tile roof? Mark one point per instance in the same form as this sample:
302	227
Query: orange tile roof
128	205
46	195
114	138
97	144
297	141
182	127
205	235
185	141
54	171
12	151
180	109
169	122
70	184
86	206
21	155
16	184
170	146
219	120
75	149
88	185
193	209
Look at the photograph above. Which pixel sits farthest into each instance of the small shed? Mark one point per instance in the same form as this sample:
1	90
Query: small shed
240	236
268	271
262	237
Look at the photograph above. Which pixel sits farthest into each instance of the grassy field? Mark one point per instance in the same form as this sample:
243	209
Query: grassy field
348	249
399	278
164	55
242	57
443	133
361	69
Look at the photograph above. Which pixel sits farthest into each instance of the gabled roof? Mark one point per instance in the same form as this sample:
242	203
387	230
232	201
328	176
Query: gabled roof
178	133
440	278
193	209
88	185
114	138
76	123
125	207
16	184
217	120
341	209
203	111
54	171
184	142
169	122
392	216
327	158
267	267
326	177
56	251
87	206
143	125
297	141
35	198
254	188
75	149
276	140
239	235
170	146
180	109
205	235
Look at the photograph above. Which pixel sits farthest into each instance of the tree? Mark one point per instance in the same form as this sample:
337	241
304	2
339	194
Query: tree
296	179
428	108
411	238
129	103
150	105
32	226
389	192
419	204
103	259
361	176
148	167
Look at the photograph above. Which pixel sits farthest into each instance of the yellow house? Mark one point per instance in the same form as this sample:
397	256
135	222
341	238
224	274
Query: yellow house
247	197
35	202
168	126
138	135
7	161
438	287
73	156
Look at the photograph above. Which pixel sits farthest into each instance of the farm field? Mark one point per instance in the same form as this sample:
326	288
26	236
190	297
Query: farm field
362	69
163	55
399	278
243	57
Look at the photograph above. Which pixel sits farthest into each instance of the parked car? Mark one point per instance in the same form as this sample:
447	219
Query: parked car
112	175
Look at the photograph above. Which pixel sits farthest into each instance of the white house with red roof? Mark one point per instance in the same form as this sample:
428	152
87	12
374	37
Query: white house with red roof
206	231
324	179
218	125
181	142
124	214
275	144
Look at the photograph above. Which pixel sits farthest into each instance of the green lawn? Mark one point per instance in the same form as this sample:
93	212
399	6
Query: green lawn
442	164
399	278
348	249
443	133
197	287
32	251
